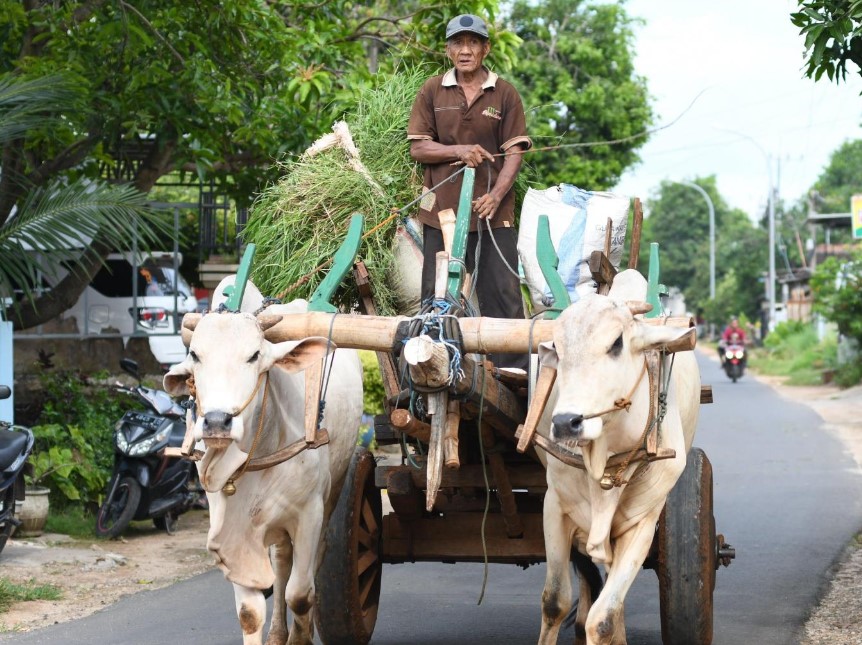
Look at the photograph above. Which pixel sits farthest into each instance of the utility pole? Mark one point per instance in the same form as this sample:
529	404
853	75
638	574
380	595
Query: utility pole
770	281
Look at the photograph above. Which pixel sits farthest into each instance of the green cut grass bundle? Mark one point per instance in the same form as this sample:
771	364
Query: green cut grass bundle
299	223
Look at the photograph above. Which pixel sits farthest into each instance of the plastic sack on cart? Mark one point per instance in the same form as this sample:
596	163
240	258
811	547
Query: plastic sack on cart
407	249
578	222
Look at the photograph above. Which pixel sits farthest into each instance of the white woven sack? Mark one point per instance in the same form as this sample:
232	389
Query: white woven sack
578	224
540	202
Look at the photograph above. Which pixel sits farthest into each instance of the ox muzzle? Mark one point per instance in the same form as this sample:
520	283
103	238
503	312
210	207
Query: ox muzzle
216	429
567	426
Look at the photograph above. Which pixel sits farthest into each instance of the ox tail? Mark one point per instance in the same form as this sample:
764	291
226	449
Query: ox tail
587	570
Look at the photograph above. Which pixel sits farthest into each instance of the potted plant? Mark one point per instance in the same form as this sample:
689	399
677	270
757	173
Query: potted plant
33	513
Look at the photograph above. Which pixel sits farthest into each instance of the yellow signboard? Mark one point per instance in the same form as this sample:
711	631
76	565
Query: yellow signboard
856	216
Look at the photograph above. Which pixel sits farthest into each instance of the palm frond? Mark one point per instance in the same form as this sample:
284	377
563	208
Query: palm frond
25	102
60	222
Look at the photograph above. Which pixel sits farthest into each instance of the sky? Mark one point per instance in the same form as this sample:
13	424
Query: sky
740	63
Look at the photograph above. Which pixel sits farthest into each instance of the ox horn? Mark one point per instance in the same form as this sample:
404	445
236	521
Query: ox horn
638	307
190	321
266	322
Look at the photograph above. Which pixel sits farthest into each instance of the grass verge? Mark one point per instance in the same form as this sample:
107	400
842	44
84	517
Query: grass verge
11	592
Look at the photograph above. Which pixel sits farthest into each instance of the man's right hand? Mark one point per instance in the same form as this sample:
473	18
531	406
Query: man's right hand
473	155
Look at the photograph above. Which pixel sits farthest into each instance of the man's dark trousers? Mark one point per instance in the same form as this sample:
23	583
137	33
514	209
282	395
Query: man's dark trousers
497	288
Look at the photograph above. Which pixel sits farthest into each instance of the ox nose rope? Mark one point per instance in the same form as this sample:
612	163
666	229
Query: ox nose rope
658	386
230	486
190	383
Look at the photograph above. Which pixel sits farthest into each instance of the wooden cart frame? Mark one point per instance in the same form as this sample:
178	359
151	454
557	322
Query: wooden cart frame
477	450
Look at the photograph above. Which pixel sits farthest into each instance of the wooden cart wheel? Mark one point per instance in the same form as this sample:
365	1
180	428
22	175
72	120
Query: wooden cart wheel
688	556
348	581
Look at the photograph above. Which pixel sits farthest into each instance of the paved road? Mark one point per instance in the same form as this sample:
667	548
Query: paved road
786	494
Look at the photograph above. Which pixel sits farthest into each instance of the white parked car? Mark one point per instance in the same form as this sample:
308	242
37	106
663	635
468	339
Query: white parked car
138	296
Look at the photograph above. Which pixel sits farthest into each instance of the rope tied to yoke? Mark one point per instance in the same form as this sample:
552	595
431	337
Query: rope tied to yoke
438	320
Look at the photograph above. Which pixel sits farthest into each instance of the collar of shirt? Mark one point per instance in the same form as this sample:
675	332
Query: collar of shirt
449	79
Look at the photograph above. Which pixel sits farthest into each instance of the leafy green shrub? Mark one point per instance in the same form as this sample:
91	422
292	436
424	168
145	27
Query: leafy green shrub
783	331
75	434
64	461
794	350
837	289
848	374
375	393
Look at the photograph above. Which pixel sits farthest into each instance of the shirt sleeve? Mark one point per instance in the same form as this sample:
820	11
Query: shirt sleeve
422	125
514	123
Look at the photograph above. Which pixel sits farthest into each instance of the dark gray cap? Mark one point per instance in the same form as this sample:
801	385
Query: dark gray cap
466	22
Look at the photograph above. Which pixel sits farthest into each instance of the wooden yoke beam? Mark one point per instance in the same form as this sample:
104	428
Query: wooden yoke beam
385	333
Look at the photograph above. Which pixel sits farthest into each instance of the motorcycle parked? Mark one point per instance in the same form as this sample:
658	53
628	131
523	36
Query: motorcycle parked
16	443
146	483
734	360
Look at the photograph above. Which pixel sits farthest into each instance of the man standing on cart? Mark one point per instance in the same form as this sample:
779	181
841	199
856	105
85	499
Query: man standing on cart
466	116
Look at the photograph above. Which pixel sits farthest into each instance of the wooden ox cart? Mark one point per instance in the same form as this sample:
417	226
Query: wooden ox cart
470	484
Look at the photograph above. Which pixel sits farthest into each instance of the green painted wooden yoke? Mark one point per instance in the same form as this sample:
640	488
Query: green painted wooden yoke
548	262
235	292
342	262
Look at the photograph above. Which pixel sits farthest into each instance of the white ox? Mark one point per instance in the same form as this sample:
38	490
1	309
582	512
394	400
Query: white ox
598	350
285	507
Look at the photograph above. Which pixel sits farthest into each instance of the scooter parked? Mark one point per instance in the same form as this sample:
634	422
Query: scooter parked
145	482
16	443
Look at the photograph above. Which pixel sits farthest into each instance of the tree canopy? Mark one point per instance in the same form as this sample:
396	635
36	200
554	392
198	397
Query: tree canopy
224	89
833	36
840	179
679	222
60	223
575	71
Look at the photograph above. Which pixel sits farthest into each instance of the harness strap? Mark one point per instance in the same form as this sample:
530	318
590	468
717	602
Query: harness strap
625	402
289	452
646	449
230	487
193	393
573	459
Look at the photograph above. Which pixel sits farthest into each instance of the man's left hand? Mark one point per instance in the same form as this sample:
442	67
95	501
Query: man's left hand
486	206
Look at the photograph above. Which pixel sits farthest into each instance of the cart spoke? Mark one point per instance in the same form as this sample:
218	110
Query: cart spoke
368	516
365	538
366	560
366	588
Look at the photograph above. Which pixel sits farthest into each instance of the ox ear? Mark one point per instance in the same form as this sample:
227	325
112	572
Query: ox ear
174	381
548	354
659	336
295	356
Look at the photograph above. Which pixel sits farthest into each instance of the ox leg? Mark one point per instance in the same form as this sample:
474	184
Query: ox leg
251	611
281	556
605	623
300	587
590	579
557	594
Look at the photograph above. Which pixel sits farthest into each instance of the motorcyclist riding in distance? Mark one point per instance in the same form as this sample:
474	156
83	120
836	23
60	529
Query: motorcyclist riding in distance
727	337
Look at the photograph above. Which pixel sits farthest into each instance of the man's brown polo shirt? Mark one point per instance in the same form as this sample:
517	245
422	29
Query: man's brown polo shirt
495	120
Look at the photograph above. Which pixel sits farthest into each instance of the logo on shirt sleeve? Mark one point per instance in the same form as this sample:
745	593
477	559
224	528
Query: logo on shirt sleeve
492	113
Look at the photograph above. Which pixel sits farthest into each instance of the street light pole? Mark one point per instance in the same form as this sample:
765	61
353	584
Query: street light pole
711	235
771	246
770	286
